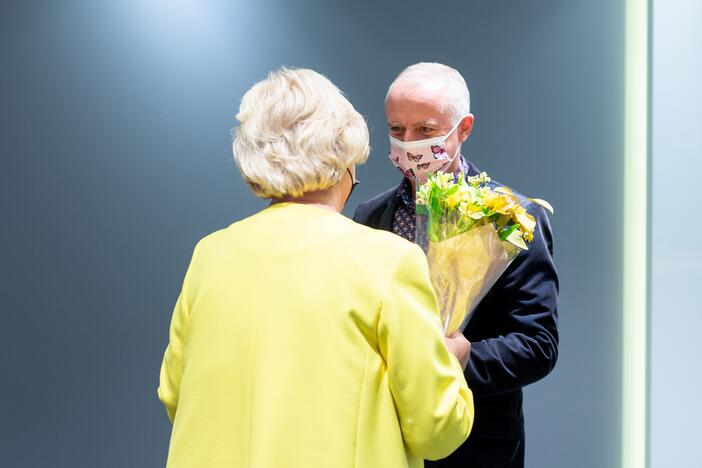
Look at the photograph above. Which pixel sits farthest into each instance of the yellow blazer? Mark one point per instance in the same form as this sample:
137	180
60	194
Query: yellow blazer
303	339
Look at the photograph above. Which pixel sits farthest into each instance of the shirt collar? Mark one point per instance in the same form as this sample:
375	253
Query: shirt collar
404	193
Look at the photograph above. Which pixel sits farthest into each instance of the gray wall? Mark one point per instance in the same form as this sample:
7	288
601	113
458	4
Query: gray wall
116	159
676	385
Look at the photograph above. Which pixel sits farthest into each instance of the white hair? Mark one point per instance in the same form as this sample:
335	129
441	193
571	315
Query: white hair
456	95
297	133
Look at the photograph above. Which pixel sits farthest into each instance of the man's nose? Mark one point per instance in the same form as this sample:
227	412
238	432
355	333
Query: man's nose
411	135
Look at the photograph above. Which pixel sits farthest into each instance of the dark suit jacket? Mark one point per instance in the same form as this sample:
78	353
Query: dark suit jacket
513	331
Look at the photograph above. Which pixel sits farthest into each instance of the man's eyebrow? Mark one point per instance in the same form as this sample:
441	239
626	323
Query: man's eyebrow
432	122
427	123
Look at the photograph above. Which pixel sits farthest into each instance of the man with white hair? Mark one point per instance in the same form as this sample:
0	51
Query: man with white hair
513	331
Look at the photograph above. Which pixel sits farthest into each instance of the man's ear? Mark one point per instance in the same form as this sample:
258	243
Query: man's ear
465	127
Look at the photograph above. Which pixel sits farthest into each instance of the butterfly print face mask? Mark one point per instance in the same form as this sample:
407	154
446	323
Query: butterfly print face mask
417	159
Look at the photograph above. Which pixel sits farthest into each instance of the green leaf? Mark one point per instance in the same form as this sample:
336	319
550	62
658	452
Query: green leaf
506	232
452	190
435	207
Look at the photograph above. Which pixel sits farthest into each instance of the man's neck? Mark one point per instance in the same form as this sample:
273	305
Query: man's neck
413	184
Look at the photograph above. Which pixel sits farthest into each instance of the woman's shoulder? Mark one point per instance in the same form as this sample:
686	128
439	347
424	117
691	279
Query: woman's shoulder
380	243
341	234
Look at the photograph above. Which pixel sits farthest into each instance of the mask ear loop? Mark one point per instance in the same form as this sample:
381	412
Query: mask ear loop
453	158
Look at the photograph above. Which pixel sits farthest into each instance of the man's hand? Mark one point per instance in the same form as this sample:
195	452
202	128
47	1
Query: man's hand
459	347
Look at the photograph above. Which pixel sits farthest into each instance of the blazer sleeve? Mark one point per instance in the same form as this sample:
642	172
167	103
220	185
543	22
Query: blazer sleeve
172	365
433	401
359	215
364	214
526	301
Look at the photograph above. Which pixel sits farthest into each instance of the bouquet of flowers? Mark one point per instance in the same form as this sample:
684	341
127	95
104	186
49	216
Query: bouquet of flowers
471	232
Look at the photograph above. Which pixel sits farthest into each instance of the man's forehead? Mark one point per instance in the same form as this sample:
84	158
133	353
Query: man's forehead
427	91
417	105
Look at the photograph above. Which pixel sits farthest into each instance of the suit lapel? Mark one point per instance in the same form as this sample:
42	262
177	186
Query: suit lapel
386	217
472	169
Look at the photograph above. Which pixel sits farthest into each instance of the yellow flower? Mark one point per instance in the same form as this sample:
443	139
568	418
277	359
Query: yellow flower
497	202
461	195
444	180
453	200
462	204
479	179
476	213
527	221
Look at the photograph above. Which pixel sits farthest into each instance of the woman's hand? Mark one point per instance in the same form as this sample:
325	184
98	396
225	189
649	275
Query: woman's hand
459	347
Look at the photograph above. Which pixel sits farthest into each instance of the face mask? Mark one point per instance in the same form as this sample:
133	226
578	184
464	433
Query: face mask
417	159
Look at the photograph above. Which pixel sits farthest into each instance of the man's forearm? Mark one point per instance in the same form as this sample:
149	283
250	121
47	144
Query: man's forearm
508	363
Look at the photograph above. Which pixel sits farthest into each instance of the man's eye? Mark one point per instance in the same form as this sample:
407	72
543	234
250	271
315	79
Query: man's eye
427	130
395	129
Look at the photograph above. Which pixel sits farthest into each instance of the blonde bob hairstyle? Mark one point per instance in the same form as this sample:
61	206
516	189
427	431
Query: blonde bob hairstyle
297	133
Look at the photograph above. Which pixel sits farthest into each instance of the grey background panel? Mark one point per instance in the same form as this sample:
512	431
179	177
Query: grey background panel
116	159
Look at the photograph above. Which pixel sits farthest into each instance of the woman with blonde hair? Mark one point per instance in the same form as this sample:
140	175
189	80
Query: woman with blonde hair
300	338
